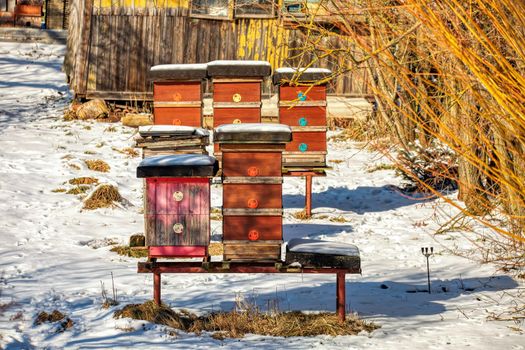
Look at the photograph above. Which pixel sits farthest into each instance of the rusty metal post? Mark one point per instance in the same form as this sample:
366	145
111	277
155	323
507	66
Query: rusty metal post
308	197
156	288
341	296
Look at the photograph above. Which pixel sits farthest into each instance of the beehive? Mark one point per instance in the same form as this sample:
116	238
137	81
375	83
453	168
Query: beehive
252	189
177	94
237	88
302	106
177	204
157	140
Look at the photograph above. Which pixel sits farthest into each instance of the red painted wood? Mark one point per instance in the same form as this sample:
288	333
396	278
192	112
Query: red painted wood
195	230
189	116
308	196
239	227
156	288
315	141
176	251
290	93
238	163
341	296
178	179
258	195
234	115
177	91
195	196
224	91
315	116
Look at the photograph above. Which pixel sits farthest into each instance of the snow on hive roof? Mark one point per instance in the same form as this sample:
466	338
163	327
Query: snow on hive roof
154	130
239	68
300	74
178	160
253	133
195	71
300	245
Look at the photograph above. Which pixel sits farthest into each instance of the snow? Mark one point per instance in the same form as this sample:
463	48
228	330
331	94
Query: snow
179	160
175	67
253	128
54	255
156	130
289	70
239	63
300	245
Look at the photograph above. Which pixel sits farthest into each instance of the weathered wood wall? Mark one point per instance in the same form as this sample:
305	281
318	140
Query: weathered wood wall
110	49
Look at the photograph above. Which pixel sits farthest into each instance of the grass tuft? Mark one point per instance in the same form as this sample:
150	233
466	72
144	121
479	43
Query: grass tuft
301	215
236	324
125	250
79	189
104	196
83	181
97	165
59	190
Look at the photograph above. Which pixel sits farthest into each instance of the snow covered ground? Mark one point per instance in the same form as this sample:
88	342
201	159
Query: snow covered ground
54	255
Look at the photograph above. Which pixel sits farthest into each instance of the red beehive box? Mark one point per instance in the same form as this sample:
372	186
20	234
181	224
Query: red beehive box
302	105
177	204
237	91
177	94
252	189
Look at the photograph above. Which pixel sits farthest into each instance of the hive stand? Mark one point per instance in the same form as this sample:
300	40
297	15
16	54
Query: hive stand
252	189
302	106
237	89
177	94
177	204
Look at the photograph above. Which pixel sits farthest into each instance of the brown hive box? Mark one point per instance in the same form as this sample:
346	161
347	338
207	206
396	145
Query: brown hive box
177	93
252	189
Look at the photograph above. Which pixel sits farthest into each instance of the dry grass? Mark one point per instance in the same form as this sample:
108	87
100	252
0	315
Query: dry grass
339	219
130	152
83	181
54	316
216	249
125	250
336	161
301	215
74	166
97	165
59	190
381	167
90	152
236	324
216	214
81	189
104	196
110	129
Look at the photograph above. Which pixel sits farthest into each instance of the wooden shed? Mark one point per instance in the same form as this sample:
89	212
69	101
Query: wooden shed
113	43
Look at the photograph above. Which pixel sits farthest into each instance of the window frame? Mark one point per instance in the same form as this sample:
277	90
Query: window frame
273	14
228	17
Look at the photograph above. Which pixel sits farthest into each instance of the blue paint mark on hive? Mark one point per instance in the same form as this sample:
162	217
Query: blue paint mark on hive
303	147
303	122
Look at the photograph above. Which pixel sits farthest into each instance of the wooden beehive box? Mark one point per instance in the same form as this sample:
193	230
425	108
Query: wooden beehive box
237	88
157	140
252	190
177	204
177	94
302	106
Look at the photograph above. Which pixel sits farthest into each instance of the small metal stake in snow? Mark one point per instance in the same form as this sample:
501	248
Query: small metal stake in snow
427	253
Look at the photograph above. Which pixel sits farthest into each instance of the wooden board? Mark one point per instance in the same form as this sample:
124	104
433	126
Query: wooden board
228	92
252	251
252	196
162	230
240	228
291	93
304	159
168	197
177	116
236	116
313	141
177	91
302	116
251	164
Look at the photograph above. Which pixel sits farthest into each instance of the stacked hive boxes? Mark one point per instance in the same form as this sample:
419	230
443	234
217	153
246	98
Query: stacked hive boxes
157	140
177	204
304	109
177	94
252	189
237	87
